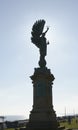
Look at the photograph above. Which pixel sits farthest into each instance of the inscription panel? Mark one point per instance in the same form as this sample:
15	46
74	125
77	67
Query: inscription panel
40	89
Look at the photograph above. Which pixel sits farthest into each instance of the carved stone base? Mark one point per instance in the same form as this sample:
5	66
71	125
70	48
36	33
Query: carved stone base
42	116
42	120
41	126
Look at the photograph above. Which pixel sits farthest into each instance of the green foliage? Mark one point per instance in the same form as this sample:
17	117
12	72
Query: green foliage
72	125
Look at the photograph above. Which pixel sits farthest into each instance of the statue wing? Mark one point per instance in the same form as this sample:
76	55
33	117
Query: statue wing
37	30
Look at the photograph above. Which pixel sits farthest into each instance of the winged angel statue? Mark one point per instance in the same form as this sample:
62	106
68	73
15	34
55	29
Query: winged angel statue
38	38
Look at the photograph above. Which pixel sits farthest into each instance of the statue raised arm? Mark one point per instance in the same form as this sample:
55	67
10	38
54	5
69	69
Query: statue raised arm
38	38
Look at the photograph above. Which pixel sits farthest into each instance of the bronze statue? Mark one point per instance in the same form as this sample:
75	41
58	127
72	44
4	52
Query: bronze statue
38	38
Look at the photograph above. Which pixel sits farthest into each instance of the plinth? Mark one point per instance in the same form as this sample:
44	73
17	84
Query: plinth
42	116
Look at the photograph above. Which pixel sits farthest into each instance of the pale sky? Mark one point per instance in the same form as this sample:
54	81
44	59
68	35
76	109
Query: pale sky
19	57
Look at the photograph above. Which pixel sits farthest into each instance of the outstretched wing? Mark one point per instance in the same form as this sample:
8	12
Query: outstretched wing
37	30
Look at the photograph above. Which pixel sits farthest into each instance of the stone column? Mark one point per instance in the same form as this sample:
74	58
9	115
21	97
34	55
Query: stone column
42	116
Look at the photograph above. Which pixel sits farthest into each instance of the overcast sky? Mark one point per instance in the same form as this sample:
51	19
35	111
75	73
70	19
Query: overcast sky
19	57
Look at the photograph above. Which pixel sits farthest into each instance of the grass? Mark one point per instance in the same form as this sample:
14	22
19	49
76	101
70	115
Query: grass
9	129
17	128
73	124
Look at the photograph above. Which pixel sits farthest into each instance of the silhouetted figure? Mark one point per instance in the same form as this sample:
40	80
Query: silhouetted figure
38	38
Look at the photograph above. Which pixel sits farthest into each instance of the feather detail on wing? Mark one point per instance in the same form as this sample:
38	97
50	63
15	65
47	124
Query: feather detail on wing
37	30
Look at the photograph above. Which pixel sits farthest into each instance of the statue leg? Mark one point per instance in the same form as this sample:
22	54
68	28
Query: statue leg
42	62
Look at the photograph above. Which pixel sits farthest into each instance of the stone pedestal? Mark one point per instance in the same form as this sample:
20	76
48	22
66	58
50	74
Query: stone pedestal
42	116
